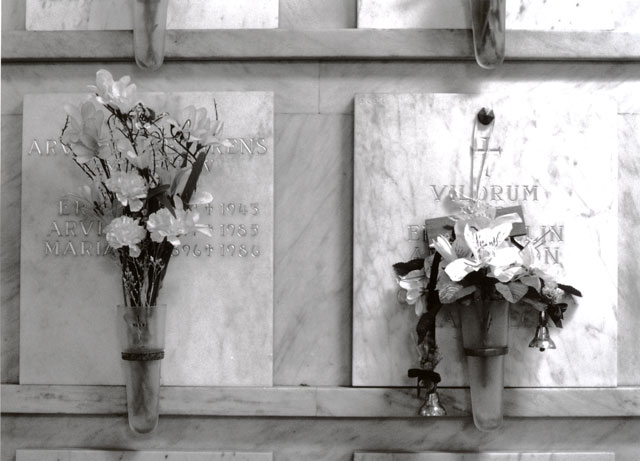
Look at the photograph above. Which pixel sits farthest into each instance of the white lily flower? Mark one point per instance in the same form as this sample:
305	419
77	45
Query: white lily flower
532	266
488	251
120	94
415	286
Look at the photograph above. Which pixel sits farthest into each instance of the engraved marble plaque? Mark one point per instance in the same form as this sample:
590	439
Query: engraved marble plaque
118	14
219	289
114	455
521	15
559	162
484	456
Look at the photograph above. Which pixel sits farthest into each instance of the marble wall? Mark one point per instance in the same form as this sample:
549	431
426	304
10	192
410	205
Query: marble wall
313	248
559	15
292	14
147	455
501	456
118	14
313	106
309	439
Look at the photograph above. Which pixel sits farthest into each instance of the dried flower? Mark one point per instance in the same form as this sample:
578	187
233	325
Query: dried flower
552	293
143	116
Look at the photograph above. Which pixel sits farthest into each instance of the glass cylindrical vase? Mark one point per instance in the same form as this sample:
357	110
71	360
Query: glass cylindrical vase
488	26
149	31
142	331
485	338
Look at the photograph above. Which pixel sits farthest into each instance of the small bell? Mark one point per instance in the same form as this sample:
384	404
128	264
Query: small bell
432	406
542	340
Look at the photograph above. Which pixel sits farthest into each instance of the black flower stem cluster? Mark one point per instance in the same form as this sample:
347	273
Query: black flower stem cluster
426	330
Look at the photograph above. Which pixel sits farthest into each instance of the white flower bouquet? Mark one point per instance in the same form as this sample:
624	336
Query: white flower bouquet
482	260
143	171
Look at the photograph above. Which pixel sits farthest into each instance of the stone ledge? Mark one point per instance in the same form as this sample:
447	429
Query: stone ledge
319	402
339	44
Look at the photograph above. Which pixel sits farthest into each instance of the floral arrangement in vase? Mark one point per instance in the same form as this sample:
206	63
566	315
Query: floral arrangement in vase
142	169
483	267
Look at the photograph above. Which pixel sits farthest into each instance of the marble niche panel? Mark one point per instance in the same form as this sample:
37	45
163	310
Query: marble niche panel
559	161
566	15
104	455
219	289
484	456
118	14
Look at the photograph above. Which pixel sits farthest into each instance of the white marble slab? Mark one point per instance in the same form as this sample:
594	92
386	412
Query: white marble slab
220	308
627	16
117	455
582	456
567	15
565	145
182	14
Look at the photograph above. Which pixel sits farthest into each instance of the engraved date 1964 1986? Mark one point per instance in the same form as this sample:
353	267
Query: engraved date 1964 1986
226	250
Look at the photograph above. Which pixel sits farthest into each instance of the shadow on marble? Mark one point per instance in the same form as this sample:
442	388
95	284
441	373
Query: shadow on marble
340	81
317	14
13	15
295	84
10	246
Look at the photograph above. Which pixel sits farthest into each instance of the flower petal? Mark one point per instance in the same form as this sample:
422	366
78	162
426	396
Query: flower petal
445	249
421	308
459	268
201	198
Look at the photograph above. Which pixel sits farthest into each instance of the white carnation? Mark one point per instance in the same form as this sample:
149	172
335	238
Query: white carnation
125	231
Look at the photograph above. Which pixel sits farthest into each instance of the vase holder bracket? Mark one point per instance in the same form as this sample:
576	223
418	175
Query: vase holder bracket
142	356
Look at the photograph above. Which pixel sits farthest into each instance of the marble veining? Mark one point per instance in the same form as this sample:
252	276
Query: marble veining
220	315
629	248
410	147
341	80
561	15
10	246
141	455
118	14
295	85
311	439
314	187
317	14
